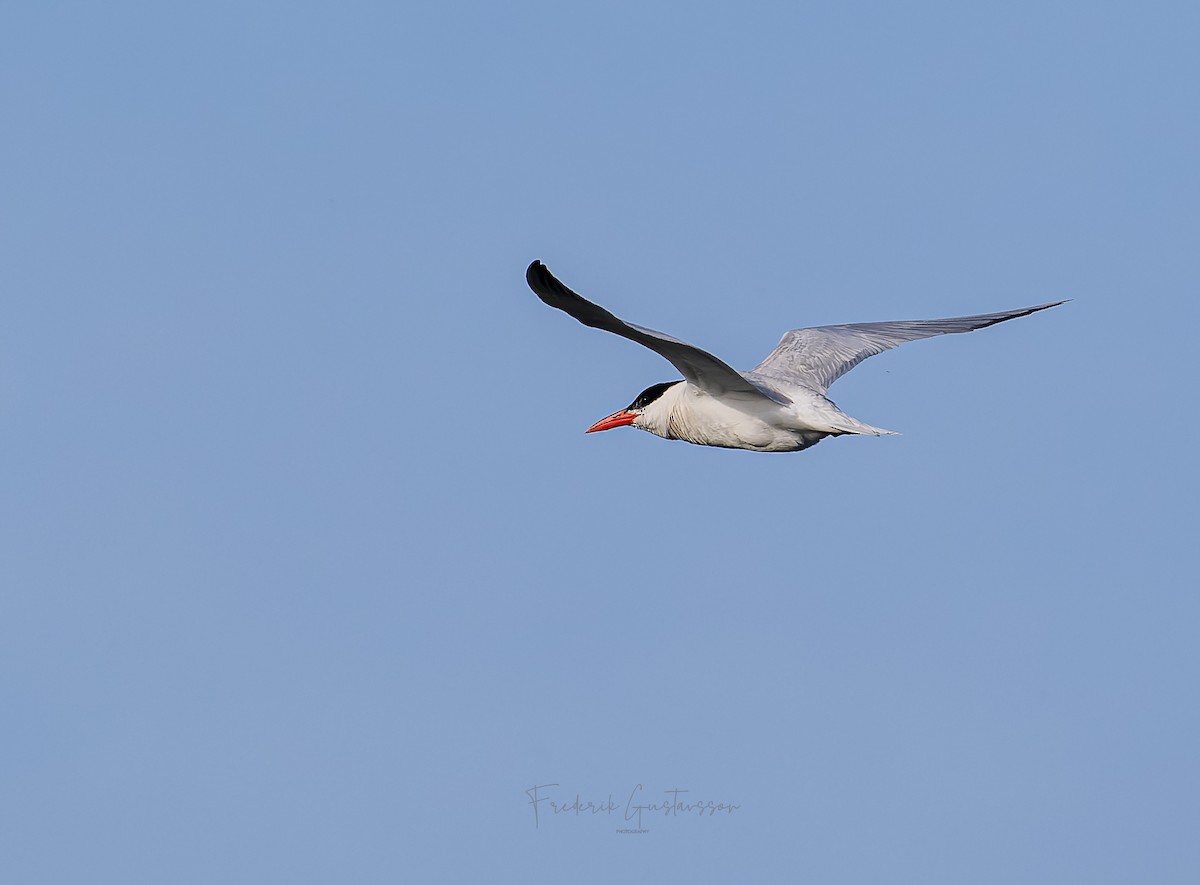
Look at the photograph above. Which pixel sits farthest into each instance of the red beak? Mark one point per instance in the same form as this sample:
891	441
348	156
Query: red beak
616	419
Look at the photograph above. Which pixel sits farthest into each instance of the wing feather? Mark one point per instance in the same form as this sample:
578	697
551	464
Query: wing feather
817	357
698	366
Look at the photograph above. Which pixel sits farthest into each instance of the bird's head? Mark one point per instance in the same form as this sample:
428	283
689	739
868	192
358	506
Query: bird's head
650	411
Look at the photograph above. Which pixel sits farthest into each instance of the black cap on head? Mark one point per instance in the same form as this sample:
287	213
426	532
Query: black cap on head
650	394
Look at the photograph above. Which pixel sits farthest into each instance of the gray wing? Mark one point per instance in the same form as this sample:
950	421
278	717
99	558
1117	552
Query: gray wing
817	357
697	366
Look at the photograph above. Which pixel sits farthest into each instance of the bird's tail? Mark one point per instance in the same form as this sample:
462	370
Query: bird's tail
846	424
835	420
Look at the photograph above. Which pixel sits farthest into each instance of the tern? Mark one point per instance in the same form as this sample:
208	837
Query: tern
778	406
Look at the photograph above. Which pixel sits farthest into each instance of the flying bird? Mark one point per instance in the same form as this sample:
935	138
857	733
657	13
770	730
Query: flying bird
778	406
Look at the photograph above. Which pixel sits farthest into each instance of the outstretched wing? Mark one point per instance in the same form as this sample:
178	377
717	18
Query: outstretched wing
697	366
817	357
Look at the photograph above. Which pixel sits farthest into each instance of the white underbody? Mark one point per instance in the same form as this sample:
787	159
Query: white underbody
741	421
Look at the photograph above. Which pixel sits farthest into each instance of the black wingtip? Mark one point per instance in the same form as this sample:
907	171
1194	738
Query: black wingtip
1017	314
539	278
546	286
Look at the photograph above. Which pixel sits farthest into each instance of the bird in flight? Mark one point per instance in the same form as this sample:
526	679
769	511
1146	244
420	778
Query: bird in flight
778	406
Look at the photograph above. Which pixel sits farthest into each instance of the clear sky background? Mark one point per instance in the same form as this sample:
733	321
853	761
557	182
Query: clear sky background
309	571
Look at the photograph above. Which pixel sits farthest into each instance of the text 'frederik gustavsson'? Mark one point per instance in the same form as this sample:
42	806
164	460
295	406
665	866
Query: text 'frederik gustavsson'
547	801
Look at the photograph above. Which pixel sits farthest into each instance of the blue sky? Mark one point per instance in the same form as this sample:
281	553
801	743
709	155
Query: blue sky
309	572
